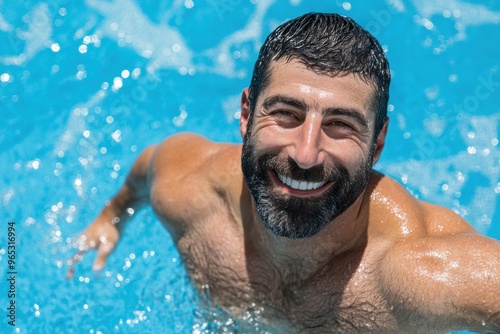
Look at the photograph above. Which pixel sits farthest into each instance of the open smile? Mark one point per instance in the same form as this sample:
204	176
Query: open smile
299	184
299	187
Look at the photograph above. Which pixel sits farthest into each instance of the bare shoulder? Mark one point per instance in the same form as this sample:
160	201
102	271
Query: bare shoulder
184	154
186	170
441	271
398	213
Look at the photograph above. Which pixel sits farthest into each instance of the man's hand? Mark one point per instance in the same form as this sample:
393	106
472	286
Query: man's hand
102	235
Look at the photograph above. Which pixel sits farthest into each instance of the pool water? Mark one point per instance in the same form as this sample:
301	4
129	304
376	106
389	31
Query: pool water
85	86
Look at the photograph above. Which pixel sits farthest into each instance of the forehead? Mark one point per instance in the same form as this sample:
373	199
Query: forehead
295	79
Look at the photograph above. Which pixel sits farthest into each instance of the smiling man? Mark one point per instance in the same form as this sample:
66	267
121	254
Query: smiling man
295	222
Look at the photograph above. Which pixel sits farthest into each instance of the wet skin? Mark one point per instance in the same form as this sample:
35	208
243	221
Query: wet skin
389	263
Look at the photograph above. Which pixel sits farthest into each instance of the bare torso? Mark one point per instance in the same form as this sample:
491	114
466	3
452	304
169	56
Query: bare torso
209	212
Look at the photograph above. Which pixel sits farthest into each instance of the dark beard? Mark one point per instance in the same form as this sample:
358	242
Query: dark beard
296	217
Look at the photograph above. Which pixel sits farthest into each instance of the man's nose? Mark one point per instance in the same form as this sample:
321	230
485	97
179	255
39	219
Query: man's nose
306	148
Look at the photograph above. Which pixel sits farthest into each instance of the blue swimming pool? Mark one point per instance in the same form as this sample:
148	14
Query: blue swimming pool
85	86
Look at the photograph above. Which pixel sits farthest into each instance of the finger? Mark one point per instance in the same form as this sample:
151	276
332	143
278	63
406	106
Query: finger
74	260
83	246
70	273
105	248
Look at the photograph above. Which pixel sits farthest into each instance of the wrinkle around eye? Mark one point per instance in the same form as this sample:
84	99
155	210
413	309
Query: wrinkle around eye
340	129
282	117
341	124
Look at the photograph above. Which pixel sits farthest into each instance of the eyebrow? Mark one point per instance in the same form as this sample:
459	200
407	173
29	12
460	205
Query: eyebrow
302	105
291	101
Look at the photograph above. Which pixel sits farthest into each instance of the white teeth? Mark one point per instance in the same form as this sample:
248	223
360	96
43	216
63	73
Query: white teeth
300	185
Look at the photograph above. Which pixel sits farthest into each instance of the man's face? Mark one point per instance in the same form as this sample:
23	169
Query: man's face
308	152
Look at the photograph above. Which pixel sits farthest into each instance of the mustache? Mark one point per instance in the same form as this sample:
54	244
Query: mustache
288	167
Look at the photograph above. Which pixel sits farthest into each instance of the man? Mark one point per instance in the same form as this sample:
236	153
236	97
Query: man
295	221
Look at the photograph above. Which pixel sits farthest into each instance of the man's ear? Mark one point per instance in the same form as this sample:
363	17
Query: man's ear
380	142
245	112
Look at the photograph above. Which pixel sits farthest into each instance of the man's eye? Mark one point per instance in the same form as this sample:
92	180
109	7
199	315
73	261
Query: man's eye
339	129
285	116
341	125
284	113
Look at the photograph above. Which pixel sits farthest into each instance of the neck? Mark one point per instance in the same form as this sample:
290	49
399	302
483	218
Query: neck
345	233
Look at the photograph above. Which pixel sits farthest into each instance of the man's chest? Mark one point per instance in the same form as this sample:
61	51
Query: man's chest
344	299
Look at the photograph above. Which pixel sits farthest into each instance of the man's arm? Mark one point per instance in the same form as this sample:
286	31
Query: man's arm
451	282
104	233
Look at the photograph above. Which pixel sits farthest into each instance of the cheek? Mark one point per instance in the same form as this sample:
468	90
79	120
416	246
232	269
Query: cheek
349	154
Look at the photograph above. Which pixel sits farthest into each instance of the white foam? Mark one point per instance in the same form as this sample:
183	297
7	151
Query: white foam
4	25
459	13
130	27
251	32
398	5
463	12
435	125
76	123
37	37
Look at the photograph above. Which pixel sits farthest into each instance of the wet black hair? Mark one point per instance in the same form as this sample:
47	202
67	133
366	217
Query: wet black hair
327	44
